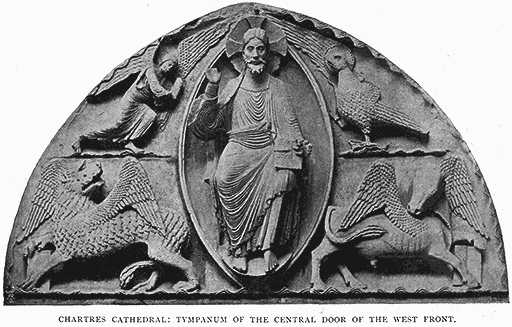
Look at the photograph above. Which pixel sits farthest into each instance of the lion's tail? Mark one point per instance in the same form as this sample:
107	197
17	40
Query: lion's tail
368	232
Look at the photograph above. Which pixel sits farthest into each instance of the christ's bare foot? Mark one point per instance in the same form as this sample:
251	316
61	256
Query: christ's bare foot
240	264
271	261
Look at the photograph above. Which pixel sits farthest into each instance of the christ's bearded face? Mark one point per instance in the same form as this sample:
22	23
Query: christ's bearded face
255	55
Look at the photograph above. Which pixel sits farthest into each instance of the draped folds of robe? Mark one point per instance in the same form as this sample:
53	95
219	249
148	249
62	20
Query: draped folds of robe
248	177
138	111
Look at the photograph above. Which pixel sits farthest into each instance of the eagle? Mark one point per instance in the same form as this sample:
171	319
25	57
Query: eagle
358	101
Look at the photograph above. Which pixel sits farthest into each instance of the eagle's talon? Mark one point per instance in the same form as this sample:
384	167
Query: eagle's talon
362	147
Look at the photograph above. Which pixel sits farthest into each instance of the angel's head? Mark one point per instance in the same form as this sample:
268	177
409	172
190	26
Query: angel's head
338	58
168	64
255	50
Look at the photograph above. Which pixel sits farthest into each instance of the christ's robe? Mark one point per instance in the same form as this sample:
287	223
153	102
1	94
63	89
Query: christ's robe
257	165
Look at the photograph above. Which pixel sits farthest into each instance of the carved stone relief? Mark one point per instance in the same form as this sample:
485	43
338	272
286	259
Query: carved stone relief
255	151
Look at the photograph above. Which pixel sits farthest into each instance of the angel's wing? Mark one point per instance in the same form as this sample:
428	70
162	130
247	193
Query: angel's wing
130	67
195	47
43	203
191	50
370	196
310	43
132	190
460	193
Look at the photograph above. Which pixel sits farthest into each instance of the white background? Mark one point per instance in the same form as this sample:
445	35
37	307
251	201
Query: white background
53	53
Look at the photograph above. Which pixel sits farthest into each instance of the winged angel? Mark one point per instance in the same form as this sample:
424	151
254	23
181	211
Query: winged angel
81	229
378	226
358	101
148	102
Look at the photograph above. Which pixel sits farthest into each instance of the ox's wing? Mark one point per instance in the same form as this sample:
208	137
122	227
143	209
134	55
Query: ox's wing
460	193
370	195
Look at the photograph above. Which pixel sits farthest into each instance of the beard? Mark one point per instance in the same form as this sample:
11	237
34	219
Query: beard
256	66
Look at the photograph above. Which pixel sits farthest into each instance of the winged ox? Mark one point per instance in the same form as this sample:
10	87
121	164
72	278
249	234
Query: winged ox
378	226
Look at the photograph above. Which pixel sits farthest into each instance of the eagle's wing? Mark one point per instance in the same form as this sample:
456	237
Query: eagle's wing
132	190
460	193
194	48
131	67
312	44
43	203
370	196
389	116
371	91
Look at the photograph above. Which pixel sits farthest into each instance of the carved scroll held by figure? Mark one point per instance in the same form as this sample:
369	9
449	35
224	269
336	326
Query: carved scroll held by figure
78	228
255	179
145	105
377	226
446	190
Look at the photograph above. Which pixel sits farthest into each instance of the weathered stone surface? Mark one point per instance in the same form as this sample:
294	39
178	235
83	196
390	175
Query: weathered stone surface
176	161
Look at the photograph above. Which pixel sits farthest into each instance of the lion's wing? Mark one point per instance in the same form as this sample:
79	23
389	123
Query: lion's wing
43	203
132	190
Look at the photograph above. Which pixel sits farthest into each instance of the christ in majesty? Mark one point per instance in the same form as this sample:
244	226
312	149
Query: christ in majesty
255	180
